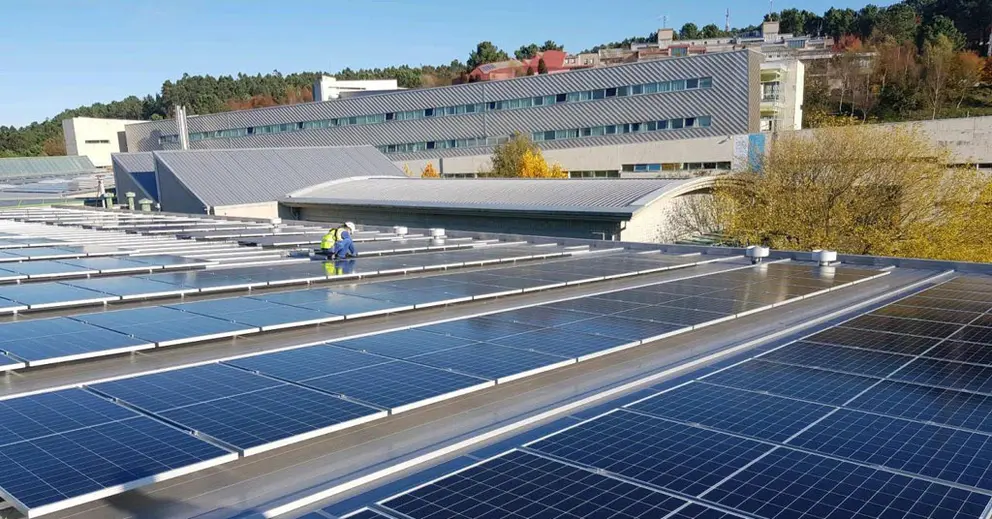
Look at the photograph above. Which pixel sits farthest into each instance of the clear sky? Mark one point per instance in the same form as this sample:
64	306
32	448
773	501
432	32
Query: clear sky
58	54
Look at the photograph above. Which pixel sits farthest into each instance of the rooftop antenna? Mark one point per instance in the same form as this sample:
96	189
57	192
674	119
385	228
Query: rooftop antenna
664	21
726	26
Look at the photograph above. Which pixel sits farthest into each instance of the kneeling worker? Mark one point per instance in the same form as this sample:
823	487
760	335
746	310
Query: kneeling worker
337	242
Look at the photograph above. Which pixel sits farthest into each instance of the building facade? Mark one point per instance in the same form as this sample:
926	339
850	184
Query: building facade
95	138
647	104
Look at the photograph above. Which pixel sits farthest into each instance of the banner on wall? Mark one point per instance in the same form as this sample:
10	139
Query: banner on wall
749	151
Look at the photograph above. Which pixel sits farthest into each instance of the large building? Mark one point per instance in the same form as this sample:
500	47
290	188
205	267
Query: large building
95	139
625	116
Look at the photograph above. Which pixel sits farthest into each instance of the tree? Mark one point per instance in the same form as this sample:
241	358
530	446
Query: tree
429	171
867	19
837	22
551	45
542	67
519	157
710	31
406	170
485	52
771	17
530	71
899	22
793	21
53	146
938	59
965	72
533	165
942	26
689	31
526	51
890	195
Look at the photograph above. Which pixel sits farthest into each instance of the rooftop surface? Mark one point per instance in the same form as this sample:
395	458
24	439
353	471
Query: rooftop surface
497	379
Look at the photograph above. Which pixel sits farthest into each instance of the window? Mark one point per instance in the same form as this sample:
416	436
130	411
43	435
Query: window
431	145
690	122
705	82
538	101
692	83
611	130
662	125
704	121
390	116
428	112
678	124
611	92
251	130
560	98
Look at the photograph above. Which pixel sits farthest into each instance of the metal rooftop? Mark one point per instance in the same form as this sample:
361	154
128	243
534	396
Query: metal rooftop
158	368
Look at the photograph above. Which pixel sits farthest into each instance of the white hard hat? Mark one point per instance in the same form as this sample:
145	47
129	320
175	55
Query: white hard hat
350	225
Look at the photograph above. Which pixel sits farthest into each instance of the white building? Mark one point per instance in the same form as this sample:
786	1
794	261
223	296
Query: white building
329	87
782	90
94	138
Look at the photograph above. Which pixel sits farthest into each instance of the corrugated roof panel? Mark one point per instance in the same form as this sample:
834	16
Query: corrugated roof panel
133	162
41	166
245	176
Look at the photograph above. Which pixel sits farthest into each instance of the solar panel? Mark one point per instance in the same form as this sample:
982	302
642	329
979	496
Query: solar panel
952	375
255	312
712	304
248	412
928	314
963	295
979	334
659	452
69	447
928	404
403	344
478	328
51	295
906	326
838	358
871	340
758	415
61	339
304	363
360	514
969	352
789	483
330	302
947	304
128	287
491	362
109	265
519	484
673	315
943	453
621	328
564	343
539	316
398	385
165	326
646	297
594	305
811	384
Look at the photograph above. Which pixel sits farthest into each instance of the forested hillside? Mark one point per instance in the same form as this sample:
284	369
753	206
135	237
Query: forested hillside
929	65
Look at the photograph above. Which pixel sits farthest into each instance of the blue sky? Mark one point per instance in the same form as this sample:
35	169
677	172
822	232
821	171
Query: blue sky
58	54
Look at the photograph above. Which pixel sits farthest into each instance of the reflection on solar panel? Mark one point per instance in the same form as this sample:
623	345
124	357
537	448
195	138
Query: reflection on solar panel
743	412
61	339
621	328
871	340
165	326
836	358
246	411
928	404
564	343
518	484
951	375
69	447
255	312
663	453
491	362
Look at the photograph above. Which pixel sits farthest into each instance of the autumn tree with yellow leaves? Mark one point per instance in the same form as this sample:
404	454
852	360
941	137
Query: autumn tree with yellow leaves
429	171
860	190
521	158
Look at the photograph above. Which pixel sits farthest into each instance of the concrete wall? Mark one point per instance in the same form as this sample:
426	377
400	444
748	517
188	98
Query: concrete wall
598	158
260	210
94	138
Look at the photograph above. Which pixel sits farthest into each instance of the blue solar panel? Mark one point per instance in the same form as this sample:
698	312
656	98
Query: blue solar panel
327	301
125	286
61	338
673	315
47	470
108	264
979	334
660	452
47	268
56	412
478	328
922	300
44	294
361	514
395	384
520	485
403	344
752	414
255	312
838	358
880	323
929	404
61	445
488	360
645	297
619	327
952	375
927	314
594	305
788	483
309	362
564	343
811	384
969	352
870	340
539	316
943	453
161	324
712	304
241	409
963	295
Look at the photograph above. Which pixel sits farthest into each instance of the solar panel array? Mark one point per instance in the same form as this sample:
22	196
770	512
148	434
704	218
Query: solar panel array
259	402
888	414
28	344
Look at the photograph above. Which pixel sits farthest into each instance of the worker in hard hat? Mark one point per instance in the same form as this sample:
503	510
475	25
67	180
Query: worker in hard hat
337	242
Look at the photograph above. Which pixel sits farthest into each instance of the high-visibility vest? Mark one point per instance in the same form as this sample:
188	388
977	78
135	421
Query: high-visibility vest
328	240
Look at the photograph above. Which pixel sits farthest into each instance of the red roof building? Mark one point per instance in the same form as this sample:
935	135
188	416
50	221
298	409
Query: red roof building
554	61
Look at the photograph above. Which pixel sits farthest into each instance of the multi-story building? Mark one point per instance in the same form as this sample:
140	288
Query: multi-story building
782	87
769	41
605	121
95	139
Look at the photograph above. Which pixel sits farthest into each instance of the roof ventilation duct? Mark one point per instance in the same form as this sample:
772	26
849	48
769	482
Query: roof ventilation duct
824	257
756	253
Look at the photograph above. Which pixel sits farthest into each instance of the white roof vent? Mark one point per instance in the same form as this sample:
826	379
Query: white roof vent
824	257
756	253
437	232
400	230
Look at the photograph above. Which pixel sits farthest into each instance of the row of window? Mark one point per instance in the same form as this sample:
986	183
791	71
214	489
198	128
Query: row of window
575	133
510	104
675	166
615	129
